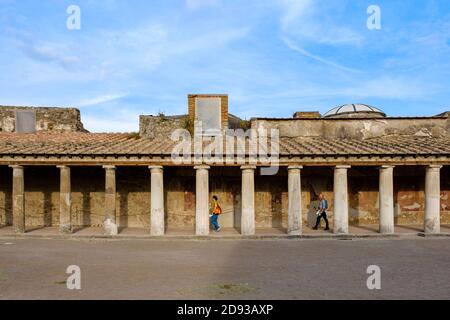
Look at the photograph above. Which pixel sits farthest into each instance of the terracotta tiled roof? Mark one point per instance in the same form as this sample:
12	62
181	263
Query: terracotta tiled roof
127	144
398	145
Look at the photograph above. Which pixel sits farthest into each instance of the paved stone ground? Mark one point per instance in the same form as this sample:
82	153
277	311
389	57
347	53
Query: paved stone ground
412	268
366	230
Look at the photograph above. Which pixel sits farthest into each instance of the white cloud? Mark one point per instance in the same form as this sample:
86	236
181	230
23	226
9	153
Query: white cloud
303	19
102	124
302	51
292	11
301	22
111	119
100	99
50	52
123	54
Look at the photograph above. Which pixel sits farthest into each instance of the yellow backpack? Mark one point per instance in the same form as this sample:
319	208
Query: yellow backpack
217	209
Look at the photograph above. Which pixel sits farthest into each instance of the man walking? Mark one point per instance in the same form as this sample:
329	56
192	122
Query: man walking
322	212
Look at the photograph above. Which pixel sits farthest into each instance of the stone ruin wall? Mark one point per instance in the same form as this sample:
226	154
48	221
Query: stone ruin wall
163	126
271	196
47	119
358	128
160	126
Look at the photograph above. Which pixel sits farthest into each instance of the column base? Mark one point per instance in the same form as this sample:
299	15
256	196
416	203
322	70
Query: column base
340	230
248	232
65	229
110	228
294	233
157	233
19	230
432	226
202	233
386	230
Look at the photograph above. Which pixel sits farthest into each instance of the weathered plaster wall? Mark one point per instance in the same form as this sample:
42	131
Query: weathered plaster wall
5	196
271	197
358	128
445	194
179	197
226	184
271	200
409	185
47	119
133	197
41	196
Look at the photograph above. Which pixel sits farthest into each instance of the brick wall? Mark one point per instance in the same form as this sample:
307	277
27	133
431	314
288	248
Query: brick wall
224	106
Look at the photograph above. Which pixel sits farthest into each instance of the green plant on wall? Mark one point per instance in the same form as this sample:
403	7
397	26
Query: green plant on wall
245	124
188	124
162	116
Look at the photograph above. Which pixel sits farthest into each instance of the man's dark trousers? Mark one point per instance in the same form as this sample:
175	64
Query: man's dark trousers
320	216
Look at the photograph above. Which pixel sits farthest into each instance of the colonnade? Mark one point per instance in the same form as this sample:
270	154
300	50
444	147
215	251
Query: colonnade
157	226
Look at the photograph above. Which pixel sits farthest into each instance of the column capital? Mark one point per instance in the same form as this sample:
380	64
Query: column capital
342	167
434	166
156	169
63	167
387	166
295	167
248	167
109	167
16	166
202	167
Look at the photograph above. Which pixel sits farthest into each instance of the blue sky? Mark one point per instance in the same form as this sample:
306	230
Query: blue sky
272	57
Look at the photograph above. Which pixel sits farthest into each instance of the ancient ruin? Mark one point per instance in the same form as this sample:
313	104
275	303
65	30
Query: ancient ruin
375	170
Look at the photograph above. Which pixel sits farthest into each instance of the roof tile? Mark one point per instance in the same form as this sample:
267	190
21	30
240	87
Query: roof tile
91	144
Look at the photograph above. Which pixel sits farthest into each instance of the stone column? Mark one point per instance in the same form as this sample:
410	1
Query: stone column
386	202
248	200
157	201
340	211
65	201
432	199
202	200
295	201
109	225
18	195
